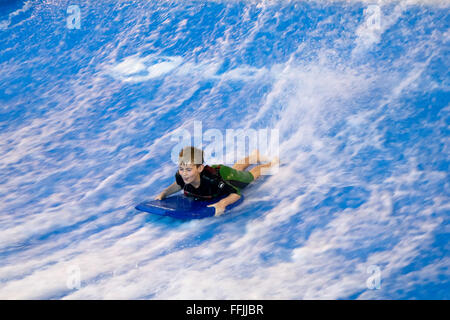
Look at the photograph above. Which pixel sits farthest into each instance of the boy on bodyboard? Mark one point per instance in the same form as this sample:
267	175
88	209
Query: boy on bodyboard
203	182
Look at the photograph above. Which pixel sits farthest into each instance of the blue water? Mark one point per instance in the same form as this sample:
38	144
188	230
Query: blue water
88	116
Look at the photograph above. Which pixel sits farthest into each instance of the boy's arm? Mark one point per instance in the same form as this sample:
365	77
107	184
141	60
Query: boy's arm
174	187
222	204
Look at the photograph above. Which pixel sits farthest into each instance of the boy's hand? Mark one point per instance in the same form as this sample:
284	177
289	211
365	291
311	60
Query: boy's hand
220	208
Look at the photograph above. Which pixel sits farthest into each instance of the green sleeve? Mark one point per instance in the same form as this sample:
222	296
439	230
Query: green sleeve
224	172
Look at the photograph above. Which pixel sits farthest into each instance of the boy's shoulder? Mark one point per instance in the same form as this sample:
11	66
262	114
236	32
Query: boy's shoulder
210	170
215	169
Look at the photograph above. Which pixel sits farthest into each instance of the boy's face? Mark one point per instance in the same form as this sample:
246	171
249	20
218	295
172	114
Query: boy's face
189	172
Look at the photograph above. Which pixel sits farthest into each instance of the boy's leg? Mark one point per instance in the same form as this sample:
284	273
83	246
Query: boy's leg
256	171
243	164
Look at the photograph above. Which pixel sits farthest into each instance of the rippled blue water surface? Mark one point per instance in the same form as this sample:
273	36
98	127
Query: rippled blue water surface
94	93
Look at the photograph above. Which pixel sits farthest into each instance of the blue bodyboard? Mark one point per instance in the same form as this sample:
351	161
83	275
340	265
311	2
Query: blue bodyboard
182	207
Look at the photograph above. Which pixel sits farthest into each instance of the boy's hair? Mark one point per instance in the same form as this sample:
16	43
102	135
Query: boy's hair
191	155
